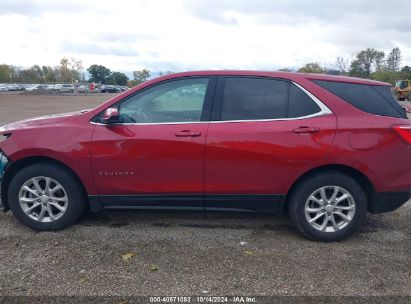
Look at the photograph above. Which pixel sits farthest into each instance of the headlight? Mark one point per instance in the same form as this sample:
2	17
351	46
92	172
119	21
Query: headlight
4	136
3	163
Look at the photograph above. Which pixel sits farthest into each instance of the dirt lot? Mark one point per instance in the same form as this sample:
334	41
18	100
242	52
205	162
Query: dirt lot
185	253
14	106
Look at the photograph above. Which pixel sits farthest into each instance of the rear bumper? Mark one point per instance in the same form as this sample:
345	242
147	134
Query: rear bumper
388	201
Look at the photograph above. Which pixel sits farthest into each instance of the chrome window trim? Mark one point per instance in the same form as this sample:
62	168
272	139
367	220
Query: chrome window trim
150	123
323	107
324	110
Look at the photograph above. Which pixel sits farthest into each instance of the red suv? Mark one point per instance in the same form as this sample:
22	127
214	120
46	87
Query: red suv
326	149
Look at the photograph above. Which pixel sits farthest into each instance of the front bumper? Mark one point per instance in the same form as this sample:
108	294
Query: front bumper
1	204
388	201
3	164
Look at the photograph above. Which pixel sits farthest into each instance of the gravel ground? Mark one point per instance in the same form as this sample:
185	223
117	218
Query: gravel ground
197	253
185	253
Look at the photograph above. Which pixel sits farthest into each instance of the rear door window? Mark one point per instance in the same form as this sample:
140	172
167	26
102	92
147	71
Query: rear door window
246	98
368	98
254	98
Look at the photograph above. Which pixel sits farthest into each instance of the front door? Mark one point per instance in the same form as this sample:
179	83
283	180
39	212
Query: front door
156	153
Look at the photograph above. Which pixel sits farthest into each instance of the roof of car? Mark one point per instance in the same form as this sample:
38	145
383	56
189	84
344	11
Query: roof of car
287	75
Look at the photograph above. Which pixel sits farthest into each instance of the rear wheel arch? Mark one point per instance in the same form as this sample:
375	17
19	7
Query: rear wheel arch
20	164
363	181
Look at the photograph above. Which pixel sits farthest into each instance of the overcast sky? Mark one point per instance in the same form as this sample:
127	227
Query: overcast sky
182	35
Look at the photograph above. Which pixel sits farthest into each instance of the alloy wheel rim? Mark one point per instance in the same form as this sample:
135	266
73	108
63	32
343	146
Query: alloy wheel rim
329	209
43	199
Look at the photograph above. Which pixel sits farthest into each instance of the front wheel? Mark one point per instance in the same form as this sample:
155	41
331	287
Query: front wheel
46	197
328	207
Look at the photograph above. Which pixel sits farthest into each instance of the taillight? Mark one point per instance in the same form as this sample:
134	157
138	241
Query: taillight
404	131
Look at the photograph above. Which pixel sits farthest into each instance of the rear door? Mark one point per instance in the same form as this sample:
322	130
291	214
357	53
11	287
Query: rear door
263	132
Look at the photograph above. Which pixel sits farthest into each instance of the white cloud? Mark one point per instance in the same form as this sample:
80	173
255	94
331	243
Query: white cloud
202	34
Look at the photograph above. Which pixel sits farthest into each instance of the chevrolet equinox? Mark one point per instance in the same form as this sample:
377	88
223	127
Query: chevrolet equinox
325	149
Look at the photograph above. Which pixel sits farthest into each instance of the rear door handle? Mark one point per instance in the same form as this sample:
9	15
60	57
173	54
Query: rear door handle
306	130
188	133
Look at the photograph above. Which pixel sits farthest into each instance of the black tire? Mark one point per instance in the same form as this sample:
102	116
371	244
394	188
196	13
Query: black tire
76	197
301	193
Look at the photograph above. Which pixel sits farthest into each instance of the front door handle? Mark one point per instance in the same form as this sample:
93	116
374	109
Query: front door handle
188	133
306	130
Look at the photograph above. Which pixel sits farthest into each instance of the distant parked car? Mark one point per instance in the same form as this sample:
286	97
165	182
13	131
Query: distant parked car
65	88
32	88
36	87
110	89
122	88
13	87
50	87
24	86
3	89
81	88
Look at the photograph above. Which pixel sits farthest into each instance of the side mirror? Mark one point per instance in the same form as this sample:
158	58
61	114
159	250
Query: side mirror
110	115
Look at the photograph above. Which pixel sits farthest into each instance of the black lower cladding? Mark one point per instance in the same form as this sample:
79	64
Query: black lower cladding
388	201
272	203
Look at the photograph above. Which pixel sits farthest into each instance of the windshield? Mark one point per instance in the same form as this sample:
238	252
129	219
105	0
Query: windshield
402	84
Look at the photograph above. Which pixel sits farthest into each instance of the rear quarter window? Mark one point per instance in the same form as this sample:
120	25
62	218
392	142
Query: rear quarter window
376	100
300	104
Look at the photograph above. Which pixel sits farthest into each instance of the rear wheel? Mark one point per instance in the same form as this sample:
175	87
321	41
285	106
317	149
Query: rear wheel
328	207
46	197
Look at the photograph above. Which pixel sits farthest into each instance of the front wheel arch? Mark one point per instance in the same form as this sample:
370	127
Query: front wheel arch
20	164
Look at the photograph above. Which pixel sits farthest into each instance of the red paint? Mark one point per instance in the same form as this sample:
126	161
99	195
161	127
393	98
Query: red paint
161	161
255	157
363	140
261	157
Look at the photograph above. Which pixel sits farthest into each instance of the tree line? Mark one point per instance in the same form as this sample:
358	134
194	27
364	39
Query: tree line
368	63
102	74
68	70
